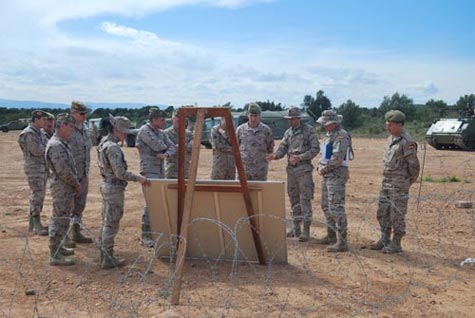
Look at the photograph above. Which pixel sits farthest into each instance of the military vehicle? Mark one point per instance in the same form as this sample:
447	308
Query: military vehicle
18	124
452	133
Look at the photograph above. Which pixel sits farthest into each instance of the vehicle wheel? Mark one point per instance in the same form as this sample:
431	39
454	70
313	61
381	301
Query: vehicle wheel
4	129
131	140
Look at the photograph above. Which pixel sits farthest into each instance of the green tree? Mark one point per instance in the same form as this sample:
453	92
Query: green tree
351	114
462	102
398	102
316	106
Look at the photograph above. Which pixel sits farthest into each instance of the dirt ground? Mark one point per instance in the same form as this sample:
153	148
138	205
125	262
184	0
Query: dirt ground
426	280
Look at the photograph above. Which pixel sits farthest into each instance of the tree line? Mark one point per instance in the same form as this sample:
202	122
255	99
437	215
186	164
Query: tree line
356	118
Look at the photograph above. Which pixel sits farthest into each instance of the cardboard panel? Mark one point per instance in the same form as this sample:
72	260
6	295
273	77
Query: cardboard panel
219	221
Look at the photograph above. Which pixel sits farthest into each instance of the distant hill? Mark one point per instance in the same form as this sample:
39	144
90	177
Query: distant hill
32	104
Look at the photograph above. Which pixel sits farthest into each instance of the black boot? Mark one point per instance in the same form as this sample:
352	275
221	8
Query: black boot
329	239
36	227
146	238
294	228
77	236
383	241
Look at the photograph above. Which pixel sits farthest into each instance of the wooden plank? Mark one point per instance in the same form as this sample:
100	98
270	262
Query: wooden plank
175	298
181	166
214	188
245	189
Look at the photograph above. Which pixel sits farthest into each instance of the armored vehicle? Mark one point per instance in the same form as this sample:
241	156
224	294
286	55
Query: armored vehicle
452	133
18	124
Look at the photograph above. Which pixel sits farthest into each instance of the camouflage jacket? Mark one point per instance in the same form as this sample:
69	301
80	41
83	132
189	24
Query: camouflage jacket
335	150
150	143
301	141
46	134
219	139
254	145
81	145
33	144
400	159
171	164
60	162
111	161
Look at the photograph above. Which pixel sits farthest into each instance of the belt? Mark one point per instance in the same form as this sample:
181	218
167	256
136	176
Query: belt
114	181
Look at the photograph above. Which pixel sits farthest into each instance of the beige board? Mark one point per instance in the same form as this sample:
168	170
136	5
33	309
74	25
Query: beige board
219	225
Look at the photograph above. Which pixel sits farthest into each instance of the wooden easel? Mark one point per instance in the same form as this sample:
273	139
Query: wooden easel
186	192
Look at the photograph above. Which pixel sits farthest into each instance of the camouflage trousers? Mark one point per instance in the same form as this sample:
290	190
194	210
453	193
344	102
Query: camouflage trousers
37	183
112	211
171	168
333	198
63	205
80	199
258	173
300	188
145	213
223	167
392	208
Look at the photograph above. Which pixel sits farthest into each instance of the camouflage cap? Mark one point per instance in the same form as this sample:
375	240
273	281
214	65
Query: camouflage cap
395	116
254	108
293	112
39	113
49	116
64	118
79	107
120	123
328	117
156	112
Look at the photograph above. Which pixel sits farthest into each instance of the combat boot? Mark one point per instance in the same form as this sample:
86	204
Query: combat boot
305	236
329	239
108	260
36	226
77	236
383	241
56	258
341	244
294	229
395	245
68	243
146	238
66	251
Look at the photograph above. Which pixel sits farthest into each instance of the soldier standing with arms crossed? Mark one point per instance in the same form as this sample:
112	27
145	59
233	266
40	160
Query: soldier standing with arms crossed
81	145
333	167
171	163
113	168
255	141
301	145
154	147
224	167
33	143
64	187
401	169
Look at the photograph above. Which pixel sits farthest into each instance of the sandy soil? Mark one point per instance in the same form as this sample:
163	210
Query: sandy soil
426	280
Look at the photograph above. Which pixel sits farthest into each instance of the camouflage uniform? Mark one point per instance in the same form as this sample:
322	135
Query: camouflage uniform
401	169
150	143
113	168
63	180
303	142
81	145
224	167
171	163
254	145
33	143
334	163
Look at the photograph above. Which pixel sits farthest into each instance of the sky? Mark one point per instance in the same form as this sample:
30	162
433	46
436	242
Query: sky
210	52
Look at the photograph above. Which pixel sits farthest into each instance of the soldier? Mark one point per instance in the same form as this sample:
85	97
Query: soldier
33	143
300	144
81	145
48	129
64	186
224	167
255	141
171	163
401	169
113	168
333	167
154	147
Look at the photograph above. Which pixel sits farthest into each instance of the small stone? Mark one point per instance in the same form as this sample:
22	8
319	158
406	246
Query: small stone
464	204
30	292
